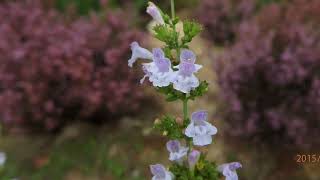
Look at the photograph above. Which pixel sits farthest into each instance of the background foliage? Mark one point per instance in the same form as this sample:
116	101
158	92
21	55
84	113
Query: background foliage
53	72
270	77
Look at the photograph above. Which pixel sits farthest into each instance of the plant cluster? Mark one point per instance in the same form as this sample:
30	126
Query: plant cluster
52	72
172	71
221	18
270	77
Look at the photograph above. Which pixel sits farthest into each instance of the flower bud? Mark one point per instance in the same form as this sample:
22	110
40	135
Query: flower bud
157	121
165	133
193	158
179	120
153	11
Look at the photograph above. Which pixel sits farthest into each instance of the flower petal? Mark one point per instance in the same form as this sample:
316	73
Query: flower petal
190	130
185	84
234	166
158	170
193	158
154	12
202	140
186	69
158	53
138	52
163	64
198	67
187	56
211	130
228	170
173	146
199	115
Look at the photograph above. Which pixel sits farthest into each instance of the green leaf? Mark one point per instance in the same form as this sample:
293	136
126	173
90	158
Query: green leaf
167	35
169	127
175	21
171	94
190	29
199	91
167	52
204	170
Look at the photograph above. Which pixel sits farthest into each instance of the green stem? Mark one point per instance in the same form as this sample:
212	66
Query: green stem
185	119
185	109
173	14
172	9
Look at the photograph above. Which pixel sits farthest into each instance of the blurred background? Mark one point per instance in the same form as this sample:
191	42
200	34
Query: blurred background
70	108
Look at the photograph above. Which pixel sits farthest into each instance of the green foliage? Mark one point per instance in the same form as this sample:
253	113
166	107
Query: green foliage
180	172
173	95
190	29
199	91
203	170
116	168
169	127
206	170
87	156
167	35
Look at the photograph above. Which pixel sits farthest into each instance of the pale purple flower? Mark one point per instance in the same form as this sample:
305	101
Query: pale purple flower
229	170
3	158
177	152
193	158
185	80
153	11
159	172
138	52
159	70
200	130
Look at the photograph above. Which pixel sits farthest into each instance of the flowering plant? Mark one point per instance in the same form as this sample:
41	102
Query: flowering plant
53	72
171	71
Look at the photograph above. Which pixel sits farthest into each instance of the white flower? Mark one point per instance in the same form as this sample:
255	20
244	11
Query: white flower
185	80
159	71
229	170
3	158
159	172
200	130
138	52
177	152
153	11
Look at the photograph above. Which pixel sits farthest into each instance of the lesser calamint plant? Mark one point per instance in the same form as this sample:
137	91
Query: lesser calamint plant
171	71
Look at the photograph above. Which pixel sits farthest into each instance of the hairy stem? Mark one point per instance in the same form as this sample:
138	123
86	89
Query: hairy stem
172	9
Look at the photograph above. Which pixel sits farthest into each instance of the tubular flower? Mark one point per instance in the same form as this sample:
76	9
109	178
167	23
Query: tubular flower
177	152
193	158
154	11
138	52
229	170
200	130
185	80
159	71
159	172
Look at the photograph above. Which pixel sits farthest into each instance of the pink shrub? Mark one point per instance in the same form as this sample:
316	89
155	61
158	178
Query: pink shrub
52	72
270	77
222	18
